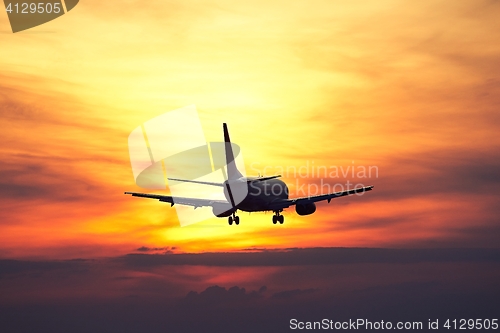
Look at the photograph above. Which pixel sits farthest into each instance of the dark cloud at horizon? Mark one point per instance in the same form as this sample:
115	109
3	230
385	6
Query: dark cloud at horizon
215	293
314	256
264	257
154	249
9	267
219	295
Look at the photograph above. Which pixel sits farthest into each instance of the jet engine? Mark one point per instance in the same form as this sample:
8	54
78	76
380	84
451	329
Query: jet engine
306	209
223	210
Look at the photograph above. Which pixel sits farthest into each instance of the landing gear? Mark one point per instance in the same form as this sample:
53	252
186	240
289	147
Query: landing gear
233	218
278	218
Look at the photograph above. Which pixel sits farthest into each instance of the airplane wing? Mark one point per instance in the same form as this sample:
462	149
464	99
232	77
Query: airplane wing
306	200
180	200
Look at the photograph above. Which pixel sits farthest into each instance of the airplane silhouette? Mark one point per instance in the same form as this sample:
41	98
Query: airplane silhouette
249	194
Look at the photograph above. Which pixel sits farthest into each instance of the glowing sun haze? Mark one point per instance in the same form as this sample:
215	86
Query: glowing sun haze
412	88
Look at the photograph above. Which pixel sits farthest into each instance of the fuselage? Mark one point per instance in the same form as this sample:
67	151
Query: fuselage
251	194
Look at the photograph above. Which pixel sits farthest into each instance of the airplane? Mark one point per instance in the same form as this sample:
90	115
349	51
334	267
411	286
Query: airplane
257	196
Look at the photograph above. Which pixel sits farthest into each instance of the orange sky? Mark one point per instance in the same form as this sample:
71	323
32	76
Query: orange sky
412	88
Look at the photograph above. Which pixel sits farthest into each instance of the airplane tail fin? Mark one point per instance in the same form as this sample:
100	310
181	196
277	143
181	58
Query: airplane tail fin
232	171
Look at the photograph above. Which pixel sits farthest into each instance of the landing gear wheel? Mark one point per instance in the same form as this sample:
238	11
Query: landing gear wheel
237	220
277	217
230	220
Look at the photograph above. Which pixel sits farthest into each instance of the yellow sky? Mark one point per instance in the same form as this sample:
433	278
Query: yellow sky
409	87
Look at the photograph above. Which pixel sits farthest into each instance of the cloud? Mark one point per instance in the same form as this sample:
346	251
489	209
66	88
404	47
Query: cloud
35	268
458	171
110	293
314	256
46	150
453	188
216	295
195	295
149	249
292	293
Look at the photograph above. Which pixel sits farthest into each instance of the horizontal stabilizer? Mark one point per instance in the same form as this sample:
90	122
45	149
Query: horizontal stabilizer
195	182
263	178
